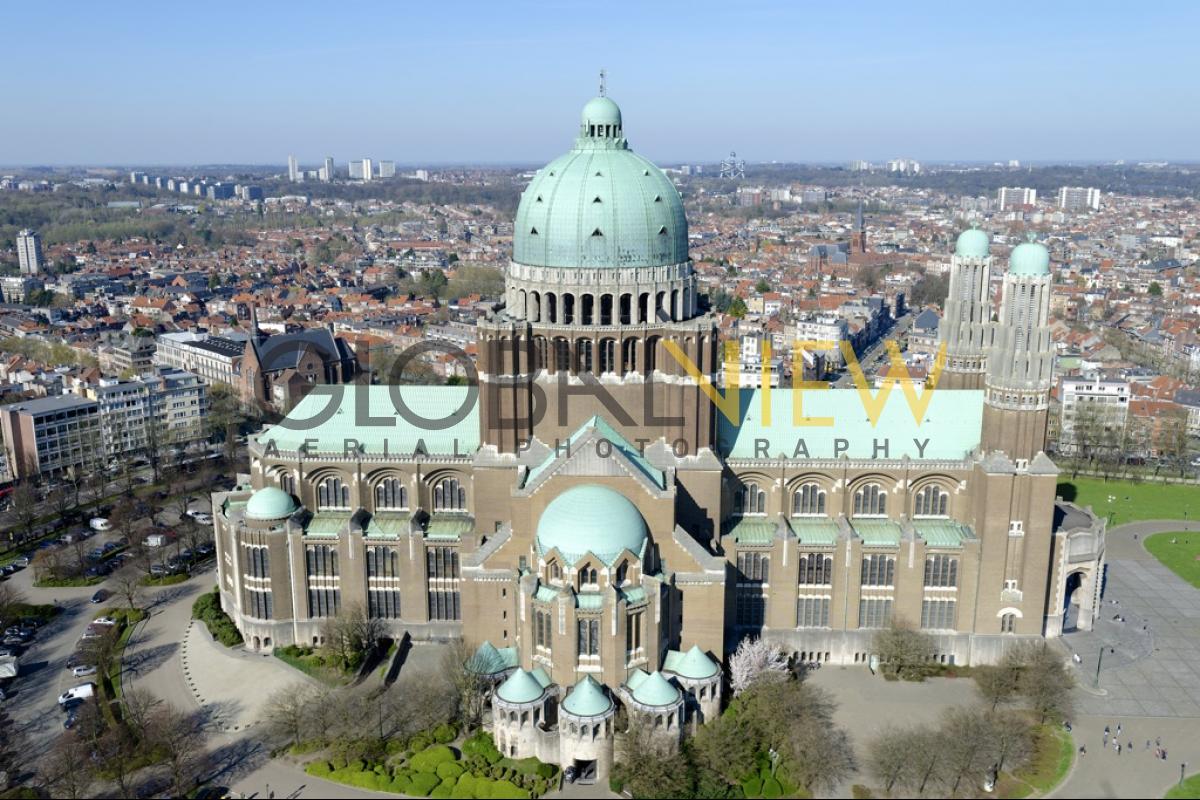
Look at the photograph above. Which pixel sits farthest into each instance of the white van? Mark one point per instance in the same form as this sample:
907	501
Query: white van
100	524
84	691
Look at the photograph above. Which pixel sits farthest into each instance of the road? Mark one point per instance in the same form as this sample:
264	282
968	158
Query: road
876	355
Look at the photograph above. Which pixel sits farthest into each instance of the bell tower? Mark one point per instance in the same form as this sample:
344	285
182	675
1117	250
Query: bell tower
965	328
1021	360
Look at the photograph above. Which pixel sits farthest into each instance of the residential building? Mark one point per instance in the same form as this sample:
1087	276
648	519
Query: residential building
51	435
1015	197
29	252
1092	416
1079	198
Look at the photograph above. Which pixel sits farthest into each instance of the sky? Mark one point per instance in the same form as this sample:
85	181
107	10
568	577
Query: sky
428	83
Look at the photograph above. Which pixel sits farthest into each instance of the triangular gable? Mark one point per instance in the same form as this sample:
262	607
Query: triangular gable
596	449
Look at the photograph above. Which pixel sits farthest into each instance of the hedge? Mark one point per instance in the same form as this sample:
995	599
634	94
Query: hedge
207	609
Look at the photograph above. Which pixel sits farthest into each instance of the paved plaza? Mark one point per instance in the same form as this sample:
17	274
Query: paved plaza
1151	660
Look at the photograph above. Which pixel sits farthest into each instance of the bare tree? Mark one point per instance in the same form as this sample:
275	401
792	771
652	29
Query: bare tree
26	505
66	771
140	708
127	584
351	635
181	738
890	758
14	752
11	598
462	673
287	712
1046	682
755	660
999	683
966	745
903	651
650	766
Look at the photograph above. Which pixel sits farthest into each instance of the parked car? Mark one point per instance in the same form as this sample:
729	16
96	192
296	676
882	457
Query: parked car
72	718
100	596
104	621
75	659
203	518
99	524
21	561
83	691
83	670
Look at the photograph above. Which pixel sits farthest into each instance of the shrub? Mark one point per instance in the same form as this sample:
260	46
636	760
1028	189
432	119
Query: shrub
445	733
449	769
482	746
546	771
771	789
428	759
505	790
319	768
207	609
420	742
752	787
422	783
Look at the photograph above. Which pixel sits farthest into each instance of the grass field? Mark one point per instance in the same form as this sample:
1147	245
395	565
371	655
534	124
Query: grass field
1189	788
1132	502
1181	557
1054	752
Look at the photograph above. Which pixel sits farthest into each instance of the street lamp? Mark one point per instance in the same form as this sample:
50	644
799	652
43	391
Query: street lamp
1182	768
1099	661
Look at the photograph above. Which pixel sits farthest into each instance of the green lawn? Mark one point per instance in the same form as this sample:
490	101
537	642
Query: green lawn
1181	557
1054	752
1189	788
1133	501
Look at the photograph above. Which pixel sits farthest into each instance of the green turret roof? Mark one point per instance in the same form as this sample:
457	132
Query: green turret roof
655	690
1029	258
270	502
601	205
591	519
520	687
972	243
587	699
694	664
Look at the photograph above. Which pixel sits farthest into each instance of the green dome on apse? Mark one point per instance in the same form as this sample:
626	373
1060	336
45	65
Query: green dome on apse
591	519
601	205
270	502
972	243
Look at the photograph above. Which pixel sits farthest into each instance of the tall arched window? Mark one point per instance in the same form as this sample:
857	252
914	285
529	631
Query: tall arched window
449	495
816	569
870	501
391	493
628	356
562	355
539	353
332	493
608	355
750	500
651	354
1008	623
583	355
809	500
932	501
287	482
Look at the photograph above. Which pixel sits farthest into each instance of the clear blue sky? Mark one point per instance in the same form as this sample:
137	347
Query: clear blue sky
499	82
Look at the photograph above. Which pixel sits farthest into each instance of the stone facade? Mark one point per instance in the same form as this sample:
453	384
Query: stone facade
606	558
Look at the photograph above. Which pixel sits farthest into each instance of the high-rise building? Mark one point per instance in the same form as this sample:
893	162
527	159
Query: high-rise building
368	169
1092	415
328	169
293	169
1079	198
29	252
1010	197
387	169
355	170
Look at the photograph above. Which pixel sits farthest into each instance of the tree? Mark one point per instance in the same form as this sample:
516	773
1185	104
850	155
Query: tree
127	584
350	636
11	599
287	712
26	506
903	651
755	660
890	758
999	683
66	771
1046	682
967	754
1155	289
139	711
762	287
180	737
462	672
14	750
737	308
650	766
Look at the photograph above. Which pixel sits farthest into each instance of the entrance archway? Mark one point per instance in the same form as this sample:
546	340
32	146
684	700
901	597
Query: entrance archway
1073	599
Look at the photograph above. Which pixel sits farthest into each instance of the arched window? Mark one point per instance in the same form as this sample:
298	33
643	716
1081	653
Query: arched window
629	356
562	355
332	493
588	577
391	493
1008	623
870	501
449	495
932	501
608	355
878	570
287	482
583	355
809	501
750	500
539	353
651	354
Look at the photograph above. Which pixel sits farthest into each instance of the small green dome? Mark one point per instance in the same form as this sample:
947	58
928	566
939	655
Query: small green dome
520	687
601	205
656	690
591	519
696	665
587	699
270	502
1029	258
601	111
972	243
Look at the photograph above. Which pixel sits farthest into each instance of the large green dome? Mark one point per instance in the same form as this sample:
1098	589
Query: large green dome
972	243
270	502
591	519
1029	258
601	205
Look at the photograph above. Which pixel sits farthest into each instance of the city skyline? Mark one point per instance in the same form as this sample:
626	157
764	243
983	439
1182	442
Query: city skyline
810	86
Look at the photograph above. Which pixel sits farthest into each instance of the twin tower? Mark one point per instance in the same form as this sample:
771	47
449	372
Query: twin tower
1010	355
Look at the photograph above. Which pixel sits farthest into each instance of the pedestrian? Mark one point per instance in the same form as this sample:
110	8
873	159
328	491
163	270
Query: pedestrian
1082	750
1129	746
1118	729
1118	748
1106	738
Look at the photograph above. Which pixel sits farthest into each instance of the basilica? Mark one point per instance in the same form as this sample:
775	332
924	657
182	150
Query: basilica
602	525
